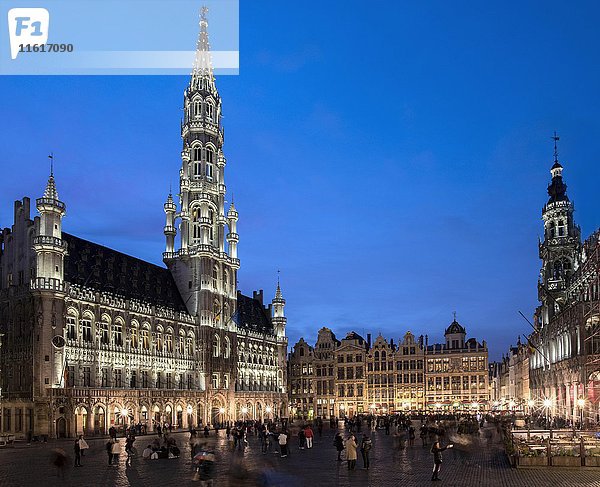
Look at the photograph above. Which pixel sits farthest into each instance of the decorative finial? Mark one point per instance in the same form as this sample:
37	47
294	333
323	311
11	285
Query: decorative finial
170	190
278	271
203	12
454	314
51	157
555	138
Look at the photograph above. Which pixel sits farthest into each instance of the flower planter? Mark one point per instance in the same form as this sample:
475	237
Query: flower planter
532	461
592	461
566	461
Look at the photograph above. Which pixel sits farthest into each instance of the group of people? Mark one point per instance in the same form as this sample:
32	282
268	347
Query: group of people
351	446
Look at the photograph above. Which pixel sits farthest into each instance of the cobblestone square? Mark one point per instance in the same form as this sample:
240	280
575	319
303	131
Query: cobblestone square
476	462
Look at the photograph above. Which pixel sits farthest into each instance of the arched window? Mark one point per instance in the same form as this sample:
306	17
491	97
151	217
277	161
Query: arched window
227	349
118	332
181	344
169	341
145	338
197	108
190	345
86	328
134	335
210	155
197	154
104	334
159	339
383	355
215	276
225	279
71	326
376	355
210	111
216	346
210	158
196	233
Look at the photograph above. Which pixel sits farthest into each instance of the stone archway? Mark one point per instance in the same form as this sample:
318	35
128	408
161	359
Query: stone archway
61	427
81	418
99	420
217	412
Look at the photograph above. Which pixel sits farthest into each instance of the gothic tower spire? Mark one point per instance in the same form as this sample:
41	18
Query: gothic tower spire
562	239
205	264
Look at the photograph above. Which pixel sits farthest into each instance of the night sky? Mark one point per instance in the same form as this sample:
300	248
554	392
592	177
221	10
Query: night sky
392	160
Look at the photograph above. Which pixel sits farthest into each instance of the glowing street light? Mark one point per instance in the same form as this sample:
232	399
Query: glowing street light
268	409
531	403
581	404
547	404
190	409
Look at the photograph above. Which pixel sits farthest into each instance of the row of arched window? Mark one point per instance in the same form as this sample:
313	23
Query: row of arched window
197	109
115	334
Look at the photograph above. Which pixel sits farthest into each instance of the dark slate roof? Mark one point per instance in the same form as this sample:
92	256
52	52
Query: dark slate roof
355	336
251	315
98	267
455	327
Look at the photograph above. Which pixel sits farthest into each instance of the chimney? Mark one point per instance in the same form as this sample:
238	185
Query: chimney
369	340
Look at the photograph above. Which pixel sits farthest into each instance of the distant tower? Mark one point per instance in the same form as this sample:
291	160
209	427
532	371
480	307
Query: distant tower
279	320
455	335
203	268
49	246
562	240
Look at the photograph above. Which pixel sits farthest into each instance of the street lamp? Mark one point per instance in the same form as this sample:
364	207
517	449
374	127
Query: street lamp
244	412
581	404
222	412
547	405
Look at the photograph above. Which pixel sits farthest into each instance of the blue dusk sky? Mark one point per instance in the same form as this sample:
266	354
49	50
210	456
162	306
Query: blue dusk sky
390	158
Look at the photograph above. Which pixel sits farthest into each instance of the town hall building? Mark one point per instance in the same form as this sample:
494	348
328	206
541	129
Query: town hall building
93	338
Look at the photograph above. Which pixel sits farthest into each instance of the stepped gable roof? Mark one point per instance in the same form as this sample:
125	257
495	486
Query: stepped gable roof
106	270
252	316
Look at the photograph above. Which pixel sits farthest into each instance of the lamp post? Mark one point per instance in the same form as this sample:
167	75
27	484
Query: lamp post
581	405
268	410
190	421
244	412
547	406
221	413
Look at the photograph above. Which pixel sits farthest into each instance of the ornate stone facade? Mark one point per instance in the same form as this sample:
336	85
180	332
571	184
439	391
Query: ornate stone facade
95	338
353	376
565	365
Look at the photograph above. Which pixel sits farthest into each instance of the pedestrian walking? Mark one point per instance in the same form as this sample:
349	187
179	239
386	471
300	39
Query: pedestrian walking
83	445
77	450
411	436
338	442
283	444
108	447
60	460
351	452
301	439
115	450
129	449
437	450
320	427
309	435
365	447
112	432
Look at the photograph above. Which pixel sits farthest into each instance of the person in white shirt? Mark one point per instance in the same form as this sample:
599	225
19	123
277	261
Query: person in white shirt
147	452
283	444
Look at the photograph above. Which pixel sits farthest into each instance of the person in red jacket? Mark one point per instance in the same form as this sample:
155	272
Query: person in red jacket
309	435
